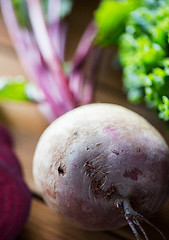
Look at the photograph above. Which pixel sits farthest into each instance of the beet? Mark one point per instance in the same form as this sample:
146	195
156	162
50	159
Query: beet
6	153
8	157
15	197
15	202
5	138
102	166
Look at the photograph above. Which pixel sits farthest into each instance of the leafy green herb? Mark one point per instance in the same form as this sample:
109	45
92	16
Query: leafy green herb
110	18
144	54
164	108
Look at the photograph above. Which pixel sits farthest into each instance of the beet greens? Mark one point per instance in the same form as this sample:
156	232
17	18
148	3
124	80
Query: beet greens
63	88
39	31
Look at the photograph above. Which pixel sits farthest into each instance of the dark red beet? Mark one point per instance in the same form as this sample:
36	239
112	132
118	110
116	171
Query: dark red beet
102	166
14	204
6	153
15	197
8	157
5	138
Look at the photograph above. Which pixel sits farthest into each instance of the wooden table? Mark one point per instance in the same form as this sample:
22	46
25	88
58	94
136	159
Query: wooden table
26	124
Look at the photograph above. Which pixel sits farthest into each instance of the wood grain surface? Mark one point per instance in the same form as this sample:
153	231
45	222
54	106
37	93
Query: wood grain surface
26	124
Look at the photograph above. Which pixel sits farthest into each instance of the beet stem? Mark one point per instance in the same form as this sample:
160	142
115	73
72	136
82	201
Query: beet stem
132	218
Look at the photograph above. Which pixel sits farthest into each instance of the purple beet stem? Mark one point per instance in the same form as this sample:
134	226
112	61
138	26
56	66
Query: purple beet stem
43	57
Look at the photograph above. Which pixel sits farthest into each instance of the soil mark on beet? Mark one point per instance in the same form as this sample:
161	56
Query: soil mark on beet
133	174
